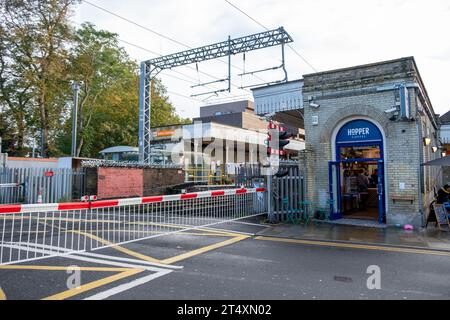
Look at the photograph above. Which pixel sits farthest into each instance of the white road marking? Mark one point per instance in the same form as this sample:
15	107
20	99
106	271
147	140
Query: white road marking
127	286
102	256
74	256
56	252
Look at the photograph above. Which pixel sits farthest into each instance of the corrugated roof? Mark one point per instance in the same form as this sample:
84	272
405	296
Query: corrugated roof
120	149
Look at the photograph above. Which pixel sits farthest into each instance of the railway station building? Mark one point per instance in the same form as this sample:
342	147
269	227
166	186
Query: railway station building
368	131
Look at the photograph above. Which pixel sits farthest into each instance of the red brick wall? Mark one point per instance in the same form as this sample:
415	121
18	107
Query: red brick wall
120	183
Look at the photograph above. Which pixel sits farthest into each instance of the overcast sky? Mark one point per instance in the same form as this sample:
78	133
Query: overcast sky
329	34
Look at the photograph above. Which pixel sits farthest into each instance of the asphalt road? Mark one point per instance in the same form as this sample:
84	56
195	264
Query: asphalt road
212	264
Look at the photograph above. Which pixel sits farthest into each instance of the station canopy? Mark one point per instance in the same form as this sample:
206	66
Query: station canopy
442	162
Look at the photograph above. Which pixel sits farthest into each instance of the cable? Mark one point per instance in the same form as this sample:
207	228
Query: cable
193	80
155	32
244	13
136	24
260	24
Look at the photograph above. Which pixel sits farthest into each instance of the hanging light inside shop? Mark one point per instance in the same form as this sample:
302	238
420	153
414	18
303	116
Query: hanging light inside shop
435	149
427	141
444	154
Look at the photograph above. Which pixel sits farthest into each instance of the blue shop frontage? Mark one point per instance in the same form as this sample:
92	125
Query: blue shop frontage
368	131
357	182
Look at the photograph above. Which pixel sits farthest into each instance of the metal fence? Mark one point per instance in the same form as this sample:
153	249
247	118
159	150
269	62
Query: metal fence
247	175
49	185
30	232
288	193
11	193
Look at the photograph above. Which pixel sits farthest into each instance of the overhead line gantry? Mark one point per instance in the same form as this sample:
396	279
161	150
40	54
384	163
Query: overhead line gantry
151	68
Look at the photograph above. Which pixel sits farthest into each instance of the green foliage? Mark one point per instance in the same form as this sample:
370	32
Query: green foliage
41	52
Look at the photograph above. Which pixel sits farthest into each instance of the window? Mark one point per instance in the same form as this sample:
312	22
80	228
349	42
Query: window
365	152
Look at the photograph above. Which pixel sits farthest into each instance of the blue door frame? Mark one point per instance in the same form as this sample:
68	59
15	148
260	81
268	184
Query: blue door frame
334	168
356	133
336	197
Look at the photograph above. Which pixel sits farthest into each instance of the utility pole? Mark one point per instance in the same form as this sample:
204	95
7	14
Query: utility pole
76	88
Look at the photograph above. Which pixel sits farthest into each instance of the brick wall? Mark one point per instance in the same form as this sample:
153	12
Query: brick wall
126	182
120	182
156	181
348	94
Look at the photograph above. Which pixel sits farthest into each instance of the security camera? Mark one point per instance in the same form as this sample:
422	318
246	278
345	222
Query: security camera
268	116
394	109
314	105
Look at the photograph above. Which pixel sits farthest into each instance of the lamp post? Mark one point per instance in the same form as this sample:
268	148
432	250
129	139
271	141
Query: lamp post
76	88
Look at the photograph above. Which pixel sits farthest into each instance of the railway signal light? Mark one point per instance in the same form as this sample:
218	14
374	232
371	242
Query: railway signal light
283	140
277	140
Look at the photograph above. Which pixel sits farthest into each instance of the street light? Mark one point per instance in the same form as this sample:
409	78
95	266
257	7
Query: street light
76	89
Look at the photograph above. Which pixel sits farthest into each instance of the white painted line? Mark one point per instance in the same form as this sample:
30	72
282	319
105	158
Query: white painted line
127	286
58	250
106	257
117	264
74	256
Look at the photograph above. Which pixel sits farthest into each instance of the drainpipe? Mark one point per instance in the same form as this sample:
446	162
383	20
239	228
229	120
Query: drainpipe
420	175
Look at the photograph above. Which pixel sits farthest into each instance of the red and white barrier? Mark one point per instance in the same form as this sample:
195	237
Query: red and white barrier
28	208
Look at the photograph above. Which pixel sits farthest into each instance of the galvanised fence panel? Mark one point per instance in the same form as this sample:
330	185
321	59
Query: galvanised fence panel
46	185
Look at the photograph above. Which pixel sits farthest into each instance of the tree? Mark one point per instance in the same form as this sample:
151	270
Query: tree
40	54
108	111
39	39
163	113
15	95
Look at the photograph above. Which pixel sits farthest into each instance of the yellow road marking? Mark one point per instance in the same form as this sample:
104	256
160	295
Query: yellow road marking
203	250
58	268
157	232
92	285
357	246
119	248
2	295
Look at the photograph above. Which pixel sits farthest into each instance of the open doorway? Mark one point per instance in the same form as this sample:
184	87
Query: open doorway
357	175
360	176
359	195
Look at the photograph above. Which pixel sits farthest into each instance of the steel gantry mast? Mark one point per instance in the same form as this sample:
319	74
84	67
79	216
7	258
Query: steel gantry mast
151	68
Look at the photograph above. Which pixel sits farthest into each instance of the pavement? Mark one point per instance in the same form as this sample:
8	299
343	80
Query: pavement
430	238
246	260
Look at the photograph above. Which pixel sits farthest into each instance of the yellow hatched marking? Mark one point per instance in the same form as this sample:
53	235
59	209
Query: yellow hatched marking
203	250
119	248
93	285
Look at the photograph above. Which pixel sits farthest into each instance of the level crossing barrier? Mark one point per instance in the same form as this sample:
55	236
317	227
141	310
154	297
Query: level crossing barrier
37	231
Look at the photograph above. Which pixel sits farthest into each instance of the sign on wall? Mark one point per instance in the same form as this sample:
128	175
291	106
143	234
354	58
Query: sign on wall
359	131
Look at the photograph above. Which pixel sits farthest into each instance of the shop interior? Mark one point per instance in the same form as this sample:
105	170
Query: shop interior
359	182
